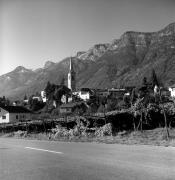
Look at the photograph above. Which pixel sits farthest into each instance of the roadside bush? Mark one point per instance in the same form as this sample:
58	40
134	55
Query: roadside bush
60	132
20	133
105	130
76	131
63	132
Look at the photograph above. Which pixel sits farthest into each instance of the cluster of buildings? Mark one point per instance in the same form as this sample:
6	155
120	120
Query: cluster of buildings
18	113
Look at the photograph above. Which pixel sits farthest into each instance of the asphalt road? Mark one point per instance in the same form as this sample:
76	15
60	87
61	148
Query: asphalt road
44	160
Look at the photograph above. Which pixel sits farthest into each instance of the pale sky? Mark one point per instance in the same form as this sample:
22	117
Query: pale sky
35	31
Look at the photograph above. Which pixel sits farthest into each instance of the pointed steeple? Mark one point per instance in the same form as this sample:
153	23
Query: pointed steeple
71	76
71	67
70	64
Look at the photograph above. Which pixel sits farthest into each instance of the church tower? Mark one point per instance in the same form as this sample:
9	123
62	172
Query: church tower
71	77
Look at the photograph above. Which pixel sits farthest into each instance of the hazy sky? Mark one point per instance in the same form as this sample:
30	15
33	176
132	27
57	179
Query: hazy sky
35	31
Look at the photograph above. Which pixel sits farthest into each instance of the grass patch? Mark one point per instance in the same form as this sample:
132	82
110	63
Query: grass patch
155	137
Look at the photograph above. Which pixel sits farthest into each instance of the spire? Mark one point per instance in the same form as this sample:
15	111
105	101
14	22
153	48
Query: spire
70	65
71	77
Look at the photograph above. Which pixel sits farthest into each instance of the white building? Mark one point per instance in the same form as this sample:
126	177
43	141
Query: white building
43	96
172	91
85	94
64	99
38	98
10	114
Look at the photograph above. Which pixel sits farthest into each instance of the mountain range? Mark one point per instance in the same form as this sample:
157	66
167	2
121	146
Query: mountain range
122	62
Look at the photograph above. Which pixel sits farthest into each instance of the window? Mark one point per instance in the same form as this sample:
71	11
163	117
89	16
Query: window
3	117
16	116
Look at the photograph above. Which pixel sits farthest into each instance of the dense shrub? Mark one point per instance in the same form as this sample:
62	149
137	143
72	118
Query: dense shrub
60	132
105	130
20	133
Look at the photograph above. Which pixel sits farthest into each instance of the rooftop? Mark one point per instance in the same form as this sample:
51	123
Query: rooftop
15	109
71	105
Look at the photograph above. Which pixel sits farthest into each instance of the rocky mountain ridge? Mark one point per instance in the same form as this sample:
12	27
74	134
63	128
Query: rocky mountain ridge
123	62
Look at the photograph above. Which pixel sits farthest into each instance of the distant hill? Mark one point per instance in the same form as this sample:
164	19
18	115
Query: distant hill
123	62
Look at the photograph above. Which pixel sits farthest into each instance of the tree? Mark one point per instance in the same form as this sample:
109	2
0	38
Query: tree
25	97
62	81
154	79
34	104
165	116
169	109
48	89
59	92
37	93
138	110
80	109
133	96
158	96
144	81
4	101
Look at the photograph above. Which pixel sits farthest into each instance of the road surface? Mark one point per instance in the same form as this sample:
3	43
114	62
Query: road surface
44	160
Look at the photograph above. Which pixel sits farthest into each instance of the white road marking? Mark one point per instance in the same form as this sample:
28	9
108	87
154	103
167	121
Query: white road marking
56	152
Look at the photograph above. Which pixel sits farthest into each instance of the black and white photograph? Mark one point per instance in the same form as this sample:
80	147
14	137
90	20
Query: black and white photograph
87	89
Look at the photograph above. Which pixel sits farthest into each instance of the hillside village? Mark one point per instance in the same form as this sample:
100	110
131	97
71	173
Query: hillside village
147	106
120	86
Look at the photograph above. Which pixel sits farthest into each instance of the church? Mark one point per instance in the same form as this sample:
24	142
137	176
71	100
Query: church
85	93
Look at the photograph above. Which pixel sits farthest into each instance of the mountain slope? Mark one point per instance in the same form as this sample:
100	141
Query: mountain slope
123	62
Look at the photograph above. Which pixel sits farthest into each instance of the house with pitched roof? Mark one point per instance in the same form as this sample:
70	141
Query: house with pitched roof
172	91
72	107
10	114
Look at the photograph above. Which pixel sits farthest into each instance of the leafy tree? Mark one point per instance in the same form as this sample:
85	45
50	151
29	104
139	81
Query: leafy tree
144	81
34	104
62	81
154	79
139	110
59	92
169	109
4	101
37	93
25	97
49	89
133	96
101	109
80	109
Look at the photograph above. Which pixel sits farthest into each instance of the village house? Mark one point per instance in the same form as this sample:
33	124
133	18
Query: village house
43	96
72	107
10	114
165	92
67	108
172	91
115	93
85	94
101	92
